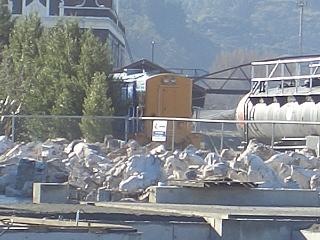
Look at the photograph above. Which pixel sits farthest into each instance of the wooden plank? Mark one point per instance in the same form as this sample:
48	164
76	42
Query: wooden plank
64	224
186	183
210	183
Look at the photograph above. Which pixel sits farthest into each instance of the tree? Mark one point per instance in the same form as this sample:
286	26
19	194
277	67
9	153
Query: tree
18	67
5	23
96	103
58	60
84	55
94	57
57	83
50	71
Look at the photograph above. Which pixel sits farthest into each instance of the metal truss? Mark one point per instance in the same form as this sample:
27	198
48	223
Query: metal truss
278	69
238	73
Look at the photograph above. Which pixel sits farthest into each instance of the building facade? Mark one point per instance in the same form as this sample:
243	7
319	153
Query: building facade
98	15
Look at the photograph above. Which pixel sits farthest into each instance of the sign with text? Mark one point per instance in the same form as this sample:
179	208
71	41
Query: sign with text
159	131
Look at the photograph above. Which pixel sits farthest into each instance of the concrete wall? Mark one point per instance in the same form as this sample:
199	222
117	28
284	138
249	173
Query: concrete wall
173	230
306	235
218	229
146	231
272	229
224	229
50	193
235	196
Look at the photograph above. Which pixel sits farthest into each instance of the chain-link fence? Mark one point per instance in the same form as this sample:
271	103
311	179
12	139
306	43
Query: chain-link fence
179	132
41	127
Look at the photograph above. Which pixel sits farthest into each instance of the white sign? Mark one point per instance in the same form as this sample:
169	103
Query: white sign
159	131
141	85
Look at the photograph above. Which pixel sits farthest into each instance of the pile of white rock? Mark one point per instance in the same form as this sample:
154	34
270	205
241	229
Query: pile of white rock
132	168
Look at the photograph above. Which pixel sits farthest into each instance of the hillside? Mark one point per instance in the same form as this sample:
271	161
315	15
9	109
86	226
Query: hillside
192	33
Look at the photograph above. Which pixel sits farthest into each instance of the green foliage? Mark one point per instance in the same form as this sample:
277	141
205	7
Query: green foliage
51	71
18	69
67	103
59	59
96	103
5	23
94	57
34	129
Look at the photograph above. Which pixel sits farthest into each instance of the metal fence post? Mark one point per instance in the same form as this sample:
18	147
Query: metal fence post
13	128
173	135
272	135
222	136
126	122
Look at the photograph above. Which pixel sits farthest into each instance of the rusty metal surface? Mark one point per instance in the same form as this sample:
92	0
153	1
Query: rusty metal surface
212	183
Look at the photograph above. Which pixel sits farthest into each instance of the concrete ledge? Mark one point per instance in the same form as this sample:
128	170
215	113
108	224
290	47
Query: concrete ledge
312	233
306	235
234	196
50	193
267	229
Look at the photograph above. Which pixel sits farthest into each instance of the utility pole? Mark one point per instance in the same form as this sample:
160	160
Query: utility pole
301	4
117	8
117	12
152	50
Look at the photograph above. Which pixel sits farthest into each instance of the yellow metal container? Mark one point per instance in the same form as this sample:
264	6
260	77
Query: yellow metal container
169	95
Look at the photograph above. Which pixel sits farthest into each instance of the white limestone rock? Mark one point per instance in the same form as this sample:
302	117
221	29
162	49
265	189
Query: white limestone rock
307	152
259	149
301	176
191	158
27	189
10	169
315	182
141	172
190	149
175	166
27	150
219	170
5	144
237	175
212	158
304	161
53	148
12	192
93	158
139	163
134	148
113	144
191	174
279	159
7	180
284	171
259	172
290	183
70	147
159	150
238	165
134	183
80	149
228	154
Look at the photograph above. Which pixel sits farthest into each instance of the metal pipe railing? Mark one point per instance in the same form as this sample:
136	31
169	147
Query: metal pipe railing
174	121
